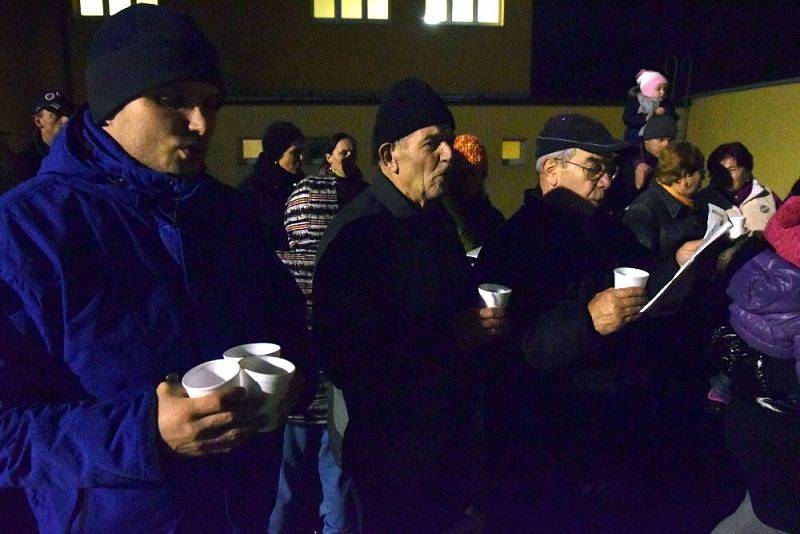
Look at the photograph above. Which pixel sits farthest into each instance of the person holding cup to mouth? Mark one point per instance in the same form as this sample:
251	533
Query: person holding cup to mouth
125	265
557	254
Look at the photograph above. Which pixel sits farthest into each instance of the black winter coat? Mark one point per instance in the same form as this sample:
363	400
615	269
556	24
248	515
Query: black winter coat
389	279
555	254
267	189
662	224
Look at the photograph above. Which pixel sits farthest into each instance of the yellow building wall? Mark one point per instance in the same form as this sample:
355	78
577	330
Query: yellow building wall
491	123
276	47
766	120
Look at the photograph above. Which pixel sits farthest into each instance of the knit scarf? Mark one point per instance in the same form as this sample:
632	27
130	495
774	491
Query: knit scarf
647	106
686	201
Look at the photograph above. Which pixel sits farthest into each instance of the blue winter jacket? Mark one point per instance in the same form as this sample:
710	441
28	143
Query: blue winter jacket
765	307
112	276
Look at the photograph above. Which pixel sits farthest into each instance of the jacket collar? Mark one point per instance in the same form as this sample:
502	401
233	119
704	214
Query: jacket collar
564	205
89	150
391	197
756	190
673	205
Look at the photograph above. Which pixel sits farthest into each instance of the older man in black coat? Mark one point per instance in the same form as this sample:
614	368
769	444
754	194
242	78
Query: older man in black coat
398	324
558	253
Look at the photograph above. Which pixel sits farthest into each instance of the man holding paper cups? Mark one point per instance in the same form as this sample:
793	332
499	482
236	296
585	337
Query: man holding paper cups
124	262
398	324
558	254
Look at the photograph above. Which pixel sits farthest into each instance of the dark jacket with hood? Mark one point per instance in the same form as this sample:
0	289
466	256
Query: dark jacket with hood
113	275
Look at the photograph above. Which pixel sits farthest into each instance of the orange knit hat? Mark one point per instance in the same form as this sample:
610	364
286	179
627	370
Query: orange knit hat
472	150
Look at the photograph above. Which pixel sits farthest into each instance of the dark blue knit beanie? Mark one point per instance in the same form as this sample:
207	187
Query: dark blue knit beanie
143	47
410	105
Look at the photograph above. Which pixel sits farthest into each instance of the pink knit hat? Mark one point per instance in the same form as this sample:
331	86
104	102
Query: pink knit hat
648	80
783	231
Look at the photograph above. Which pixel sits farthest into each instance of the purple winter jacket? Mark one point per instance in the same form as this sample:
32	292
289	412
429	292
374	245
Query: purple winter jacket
765	311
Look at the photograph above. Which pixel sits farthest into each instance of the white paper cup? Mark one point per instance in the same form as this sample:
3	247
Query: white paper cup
252	349
212	376
737	229
494	295
630	277
270	375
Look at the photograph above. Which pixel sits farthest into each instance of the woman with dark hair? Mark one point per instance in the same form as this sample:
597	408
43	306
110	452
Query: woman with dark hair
309	446
731	168
341	162
276	172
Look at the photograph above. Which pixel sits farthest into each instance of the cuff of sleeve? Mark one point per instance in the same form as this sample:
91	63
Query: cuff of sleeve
156	450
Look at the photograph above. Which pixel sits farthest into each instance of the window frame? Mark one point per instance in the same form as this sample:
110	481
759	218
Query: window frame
474	23
337	18
76	10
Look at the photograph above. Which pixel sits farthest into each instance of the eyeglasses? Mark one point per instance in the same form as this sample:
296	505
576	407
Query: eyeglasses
595	171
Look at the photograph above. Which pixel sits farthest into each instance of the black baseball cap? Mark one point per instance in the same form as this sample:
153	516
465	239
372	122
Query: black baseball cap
576	131
54	101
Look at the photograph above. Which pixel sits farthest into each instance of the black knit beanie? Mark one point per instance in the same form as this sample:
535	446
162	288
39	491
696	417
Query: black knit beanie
143	47
660	126
410	105
277	138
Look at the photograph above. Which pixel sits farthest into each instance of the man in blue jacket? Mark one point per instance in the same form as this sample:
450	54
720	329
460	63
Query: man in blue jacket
122	263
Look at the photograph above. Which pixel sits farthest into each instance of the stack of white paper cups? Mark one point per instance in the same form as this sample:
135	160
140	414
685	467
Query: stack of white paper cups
256	366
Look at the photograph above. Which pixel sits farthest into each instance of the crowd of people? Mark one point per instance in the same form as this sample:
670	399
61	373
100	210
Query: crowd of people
415	406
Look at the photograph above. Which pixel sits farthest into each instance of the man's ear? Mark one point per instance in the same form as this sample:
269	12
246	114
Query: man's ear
386	157
548	175
37	121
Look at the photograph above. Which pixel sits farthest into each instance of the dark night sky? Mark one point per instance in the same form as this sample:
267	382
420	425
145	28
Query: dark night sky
592	50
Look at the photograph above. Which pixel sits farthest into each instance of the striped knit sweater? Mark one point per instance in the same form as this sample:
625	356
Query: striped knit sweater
309	210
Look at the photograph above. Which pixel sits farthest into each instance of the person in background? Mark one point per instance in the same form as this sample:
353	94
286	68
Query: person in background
636	170
53	110
50	113
647	99
274	176
308	458
466	199
124	265
762	427
671	219
731	168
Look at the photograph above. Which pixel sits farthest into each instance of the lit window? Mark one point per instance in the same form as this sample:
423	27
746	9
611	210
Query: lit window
251	148
478	12
101	8
513	152
351	9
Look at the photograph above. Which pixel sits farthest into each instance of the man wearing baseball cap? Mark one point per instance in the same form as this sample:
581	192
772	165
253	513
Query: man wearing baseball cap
557	253
52	111
124	265
399	327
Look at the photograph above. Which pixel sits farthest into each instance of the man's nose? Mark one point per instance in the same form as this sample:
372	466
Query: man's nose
198	120
445	151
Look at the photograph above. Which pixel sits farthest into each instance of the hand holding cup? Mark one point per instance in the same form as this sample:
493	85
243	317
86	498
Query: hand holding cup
212	424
